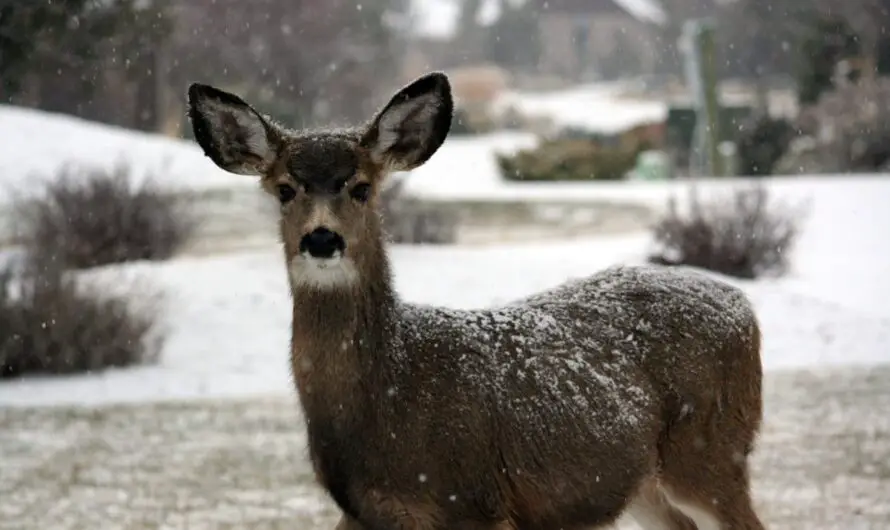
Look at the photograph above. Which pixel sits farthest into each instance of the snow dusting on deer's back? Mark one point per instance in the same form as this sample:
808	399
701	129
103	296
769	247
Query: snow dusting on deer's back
583	345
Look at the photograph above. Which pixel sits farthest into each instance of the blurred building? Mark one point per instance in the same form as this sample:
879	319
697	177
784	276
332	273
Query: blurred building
578	40
595	39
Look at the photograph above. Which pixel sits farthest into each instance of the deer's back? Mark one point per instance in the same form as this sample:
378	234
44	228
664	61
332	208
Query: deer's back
681	330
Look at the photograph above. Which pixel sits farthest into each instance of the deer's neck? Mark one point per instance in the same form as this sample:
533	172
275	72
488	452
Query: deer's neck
345	341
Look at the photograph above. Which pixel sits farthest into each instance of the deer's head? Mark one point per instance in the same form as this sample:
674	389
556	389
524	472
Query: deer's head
326	181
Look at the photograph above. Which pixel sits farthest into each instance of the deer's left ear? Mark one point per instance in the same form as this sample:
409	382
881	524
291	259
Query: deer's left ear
234	135
413	125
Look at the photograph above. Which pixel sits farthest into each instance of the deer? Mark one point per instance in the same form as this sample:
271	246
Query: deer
631	394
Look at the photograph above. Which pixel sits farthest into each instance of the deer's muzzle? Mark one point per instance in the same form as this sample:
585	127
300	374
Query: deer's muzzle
322	243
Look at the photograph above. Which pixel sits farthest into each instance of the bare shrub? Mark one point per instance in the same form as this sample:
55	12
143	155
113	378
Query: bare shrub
86	217
739	235
51	323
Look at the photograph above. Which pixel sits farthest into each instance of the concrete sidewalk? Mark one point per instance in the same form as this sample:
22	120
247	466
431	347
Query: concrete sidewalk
823	462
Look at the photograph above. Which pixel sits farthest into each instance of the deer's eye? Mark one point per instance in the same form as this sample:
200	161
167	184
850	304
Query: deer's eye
361	192
286	193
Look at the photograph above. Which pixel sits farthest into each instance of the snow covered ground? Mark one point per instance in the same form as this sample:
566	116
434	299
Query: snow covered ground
822	462
37	144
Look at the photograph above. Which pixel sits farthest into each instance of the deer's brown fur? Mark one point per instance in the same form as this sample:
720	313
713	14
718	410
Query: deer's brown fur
634	391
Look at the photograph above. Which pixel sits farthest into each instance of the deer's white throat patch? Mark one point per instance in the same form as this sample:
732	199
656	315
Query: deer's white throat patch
307	271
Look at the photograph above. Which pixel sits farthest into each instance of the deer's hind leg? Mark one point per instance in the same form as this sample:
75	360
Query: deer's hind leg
712	490
705	470
708	479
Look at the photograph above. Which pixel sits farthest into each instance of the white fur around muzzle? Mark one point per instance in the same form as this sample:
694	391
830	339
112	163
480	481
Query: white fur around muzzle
306	271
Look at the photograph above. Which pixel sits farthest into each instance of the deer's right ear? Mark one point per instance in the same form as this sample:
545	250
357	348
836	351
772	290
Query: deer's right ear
234	135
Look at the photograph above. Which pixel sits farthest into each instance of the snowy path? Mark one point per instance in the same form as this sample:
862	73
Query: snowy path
823	462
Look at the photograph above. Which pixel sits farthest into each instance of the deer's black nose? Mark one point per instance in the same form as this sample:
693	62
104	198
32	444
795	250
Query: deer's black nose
322	243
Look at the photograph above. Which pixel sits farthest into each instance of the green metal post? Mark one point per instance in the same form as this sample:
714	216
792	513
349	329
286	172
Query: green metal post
712	103
699	46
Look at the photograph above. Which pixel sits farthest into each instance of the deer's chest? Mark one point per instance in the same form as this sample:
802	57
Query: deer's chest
335	446
361	448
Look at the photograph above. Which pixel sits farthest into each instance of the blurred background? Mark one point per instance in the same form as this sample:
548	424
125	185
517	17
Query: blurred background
319	62
144	307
